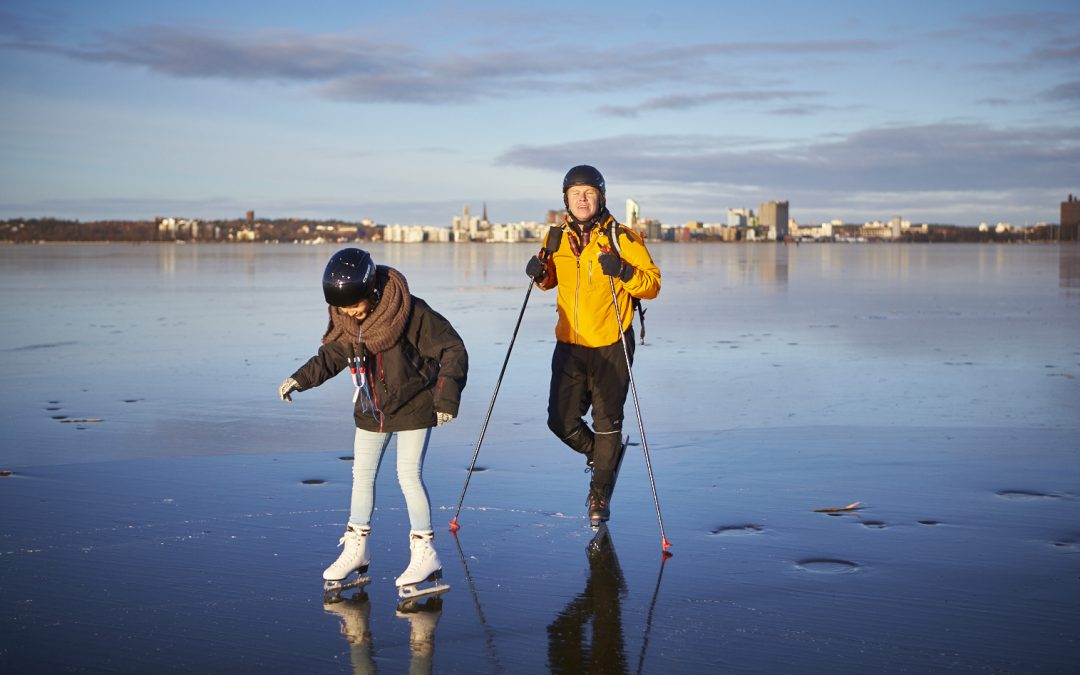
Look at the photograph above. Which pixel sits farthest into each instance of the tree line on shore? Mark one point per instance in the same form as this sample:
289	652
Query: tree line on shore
237	230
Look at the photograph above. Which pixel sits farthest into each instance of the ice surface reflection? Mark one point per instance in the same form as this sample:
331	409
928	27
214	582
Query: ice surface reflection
178	349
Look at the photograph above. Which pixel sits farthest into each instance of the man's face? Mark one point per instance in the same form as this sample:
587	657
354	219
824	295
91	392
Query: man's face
583	201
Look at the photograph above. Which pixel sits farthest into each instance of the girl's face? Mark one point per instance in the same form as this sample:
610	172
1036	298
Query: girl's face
359	311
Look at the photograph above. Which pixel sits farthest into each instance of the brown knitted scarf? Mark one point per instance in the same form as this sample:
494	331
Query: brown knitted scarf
383	327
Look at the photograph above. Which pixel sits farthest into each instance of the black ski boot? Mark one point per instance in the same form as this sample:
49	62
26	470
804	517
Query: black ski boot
618	465
598	505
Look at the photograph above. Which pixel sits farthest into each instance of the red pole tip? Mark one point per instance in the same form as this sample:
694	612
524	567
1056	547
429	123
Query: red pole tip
454	527
665	543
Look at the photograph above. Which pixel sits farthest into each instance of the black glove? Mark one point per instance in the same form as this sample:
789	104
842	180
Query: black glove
535	269
613	266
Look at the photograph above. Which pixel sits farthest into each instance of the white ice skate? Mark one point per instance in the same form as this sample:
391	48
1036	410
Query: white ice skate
424	567
354	558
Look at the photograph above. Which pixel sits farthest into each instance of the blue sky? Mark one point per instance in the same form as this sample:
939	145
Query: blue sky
958	112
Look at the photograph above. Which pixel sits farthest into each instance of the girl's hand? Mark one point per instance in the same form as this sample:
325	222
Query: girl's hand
287	388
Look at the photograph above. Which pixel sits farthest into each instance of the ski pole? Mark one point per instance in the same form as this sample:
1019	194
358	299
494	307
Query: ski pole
665	544
454	527
554	238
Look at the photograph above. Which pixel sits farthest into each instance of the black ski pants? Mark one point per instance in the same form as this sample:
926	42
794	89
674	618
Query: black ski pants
597	378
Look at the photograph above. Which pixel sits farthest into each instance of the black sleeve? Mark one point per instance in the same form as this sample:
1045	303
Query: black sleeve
331	360
438	340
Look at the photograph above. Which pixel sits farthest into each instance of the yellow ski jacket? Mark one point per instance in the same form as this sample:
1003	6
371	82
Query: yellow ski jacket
586	312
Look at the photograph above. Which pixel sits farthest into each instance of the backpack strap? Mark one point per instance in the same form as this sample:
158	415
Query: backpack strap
635	303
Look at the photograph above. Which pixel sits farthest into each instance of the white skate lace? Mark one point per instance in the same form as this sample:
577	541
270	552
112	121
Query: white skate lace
418	562
359	534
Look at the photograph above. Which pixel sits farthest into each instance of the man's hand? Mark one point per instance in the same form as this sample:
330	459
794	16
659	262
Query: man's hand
613	266
442	418
287	388
535	269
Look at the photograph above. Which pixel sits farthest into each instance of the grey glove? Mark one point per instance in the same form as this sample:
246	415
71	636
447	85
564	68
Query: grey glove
442	418
287	388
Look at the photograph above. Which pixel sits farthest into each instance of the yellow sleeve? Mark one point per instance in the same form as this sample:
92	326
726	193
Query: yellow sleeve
645	283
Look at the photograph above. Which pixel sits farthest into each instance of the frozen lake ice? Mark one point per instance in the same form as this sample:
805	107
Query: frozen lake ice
189	512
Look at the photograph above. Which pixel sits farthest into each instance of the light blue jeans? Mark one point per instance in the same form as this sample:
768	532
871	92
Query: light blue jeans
368	450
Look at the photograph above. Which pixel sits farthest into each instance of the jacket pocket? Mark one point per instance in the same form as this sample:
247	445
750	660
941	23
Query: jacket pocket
403	373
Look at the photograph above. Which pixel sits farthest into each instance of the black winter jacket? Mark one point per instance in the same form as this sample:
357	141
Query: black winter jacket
423	373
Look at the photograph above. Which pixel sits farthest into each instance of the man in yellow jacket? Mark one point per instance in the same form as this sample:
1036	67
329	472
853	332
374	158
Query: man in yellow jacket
588	367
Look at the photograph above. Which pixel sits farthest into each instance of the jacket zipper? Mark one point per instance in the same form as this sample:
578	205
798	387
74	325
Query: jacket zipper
375	389
577	294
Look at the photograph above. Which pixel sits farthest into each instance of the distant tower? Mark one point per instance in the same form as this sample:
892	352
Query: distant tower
471	223
483	218
632	214
251	216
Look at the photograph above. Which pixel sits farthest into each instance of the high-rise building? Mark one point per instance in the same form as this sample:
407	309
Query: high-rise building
1070	219
774	215
896	226
632	214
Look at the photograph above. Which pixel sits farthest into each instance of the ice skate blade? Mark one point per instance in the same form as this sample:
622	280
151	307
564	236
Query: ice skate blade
411	591
333	588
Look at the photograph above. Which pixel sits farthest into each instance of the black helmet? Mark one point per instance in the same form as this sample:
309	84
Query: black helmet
350	278
583	174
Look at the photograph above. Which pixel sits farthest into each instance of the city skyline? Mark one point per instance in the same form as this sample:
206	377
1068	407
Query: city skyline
955	113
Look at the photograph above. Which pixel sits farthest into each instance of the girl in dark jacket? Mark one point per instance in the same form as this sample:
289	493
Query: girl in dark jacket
408	366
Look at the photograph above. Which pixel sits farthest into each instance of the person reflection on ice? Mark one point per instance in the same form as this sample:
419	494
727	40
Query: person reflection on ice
354	613
598	604
423	615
